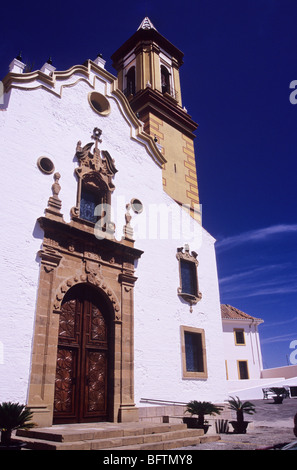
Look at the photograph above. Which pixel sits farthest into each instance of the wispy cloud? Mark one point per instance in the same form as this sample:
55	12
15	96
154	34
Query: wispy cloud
271	279
255	235
279	323
273	291
254	289
252	272
279	338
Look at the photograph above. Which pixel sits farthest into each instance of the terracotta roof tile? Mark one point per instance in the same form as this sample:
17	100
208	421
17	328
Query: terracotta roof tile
232	313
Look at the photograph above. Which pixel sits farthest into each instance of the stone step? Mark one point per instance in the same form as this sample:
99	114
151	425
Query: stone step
155	440
113	436
70	433
174	444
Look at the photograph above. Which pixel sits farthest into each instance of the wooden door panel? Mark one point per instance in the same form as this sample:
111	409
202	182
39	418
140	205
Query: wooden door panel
68	355
69	322
96	384
96	346
97	333
64	403
81	388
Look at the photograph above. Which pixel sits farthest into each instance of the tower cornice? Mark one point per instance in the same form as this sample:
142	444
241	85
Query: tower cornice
147	35
150	100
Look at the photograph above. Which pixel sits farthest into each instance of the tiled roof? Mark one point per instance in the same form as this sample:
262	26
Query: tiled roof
231	313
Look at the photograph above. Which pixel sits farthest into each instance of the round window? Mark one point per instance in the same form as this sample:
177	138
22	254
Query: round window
136	206
99	103
45	165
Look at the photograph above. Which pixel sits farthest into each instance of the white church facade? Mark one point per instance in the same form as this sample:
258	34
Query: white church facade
109	281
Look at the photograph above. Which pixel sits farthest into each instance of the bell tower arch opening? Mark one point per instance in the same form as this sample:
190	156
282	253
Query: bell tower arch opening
165	80
131	82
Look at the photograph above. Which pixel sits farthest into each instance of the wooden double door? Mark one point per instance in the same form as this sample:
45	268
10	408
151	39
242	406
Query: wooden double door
82	373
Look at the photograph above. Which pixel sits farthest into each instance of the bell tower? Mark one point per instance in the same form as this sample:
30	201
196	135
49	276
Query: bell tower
148	74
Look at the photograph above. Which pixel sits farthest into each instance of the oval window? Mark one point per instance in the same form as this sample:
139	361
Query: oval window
45	165
99	103
136	206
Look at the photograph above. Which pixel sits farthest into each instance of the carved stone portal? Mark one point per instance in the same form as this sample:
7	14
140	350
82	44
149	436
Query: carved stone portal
72	256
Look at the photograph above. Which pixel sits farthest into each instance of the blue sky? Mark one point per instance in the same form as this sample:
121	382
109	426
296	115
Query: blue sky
240	58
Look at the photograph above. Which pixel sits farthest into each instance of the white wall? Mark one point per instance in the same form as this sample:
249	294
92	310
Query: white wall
38	123
159	312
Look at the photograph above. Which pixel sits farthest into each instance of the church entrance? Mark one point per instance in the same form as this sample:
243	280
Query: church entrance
83	358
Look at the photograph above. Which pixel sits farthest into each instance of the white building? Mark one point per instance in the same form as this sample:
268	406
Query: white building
245	375
100	311
242	347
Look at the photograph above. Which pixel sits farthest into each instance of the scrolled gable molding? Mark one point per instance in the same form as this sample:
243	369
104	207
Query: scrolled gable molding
89	73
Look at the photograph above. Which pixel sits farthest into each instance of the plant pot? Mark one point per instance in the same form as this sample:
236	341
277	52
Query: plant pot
205	427
5	437
193	423
278	400
239	427
7	443
13	445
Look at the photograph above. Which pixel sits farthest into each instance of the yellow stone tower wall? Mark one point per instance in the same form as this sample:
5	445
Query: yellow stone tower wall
179	173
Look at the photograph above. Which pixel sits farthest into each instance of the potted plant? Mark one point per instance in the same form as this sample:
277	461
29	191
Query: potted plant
13	416
235	404
279	394
200	408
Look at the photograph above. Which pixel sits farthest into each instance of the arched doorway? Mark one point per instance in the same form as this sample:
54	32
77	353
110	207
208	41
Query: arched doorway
84	358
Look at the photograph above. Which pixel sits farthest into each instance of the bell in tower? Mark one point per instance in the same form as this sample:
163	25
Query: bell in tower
148	66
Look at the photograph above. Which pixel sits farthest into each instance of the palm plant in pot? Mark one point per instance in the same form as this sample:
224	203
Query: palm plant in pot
13	416
200	408
235	404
